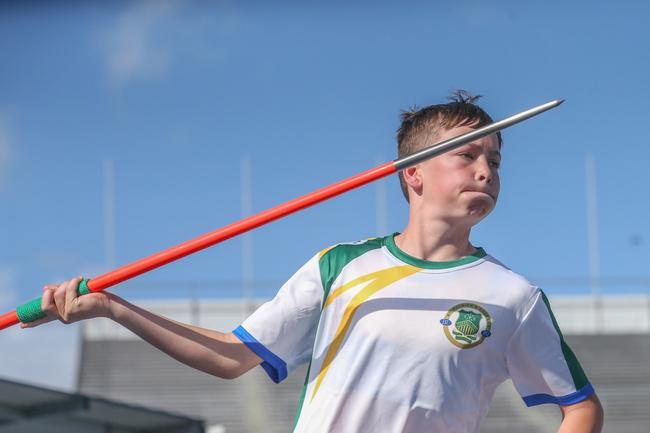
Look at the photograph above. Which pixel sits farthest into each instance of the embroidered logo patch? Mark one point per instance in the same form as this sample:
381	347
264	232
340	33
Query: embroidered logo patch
467	325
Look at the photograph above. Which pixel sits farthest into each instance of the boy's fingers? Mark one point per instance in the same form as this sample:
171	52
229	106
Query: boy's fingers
56	300
47	302
35	323
47	306
59	298
71	291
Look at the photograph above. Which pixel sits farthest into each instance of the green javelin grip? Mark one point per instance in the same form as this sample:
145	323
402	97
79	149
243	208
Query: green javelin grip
32	310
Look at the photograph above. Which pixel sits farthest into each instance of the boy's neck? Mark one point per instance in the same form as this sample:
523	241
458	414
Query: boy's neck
435	241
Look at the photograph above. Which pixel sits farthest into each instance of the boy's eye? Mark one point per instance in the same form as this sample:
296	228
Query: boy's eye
468	155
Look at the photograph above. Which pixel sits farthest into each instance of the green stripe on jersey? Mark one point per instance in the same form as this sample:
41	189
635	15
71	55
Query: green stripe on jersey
577	374
333	261
302	398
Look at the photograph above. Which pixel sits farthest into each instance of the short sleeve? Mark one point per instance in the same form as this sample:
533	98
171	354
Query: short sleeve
542	366
282	331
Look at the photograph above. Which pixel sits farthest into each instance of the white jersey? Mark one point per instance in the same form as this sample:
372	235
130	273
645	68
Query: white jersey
398	344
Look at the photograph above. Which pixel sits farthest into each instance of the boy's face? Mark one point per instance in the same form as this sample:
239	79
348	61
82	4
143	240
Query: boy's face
462	184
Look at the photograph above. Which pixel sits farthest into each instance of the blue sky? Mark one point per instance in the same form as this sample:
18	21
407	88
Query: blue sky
176	93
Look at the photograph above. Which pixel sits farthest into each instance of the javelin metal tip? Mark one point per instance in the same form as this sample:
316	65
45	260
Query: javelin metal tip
455	142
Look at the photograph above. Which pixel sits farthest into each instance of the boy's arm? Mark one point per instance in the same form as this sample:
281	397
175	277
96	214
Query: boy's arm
583	417
216	353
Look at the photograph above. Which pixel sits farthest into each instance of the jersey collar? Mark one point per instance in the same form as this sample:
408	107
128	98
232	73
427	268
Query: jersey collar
389	241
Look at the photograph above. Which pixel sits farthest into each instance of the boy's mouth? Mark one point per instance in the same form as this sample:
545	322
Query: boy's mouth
481	192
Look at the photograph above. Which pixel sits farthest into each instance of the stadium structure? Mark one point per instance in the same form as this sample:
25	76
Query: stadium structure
27	409
609	334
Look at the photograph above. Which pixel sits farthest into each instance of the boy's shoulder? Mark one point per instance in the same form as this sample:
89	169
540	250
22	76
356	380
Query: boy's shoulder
507	272
520	289
334	258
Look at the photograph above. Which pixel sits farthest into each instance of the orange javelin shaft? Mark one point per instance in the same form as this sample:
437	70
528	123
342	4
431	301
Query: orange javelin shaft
154	261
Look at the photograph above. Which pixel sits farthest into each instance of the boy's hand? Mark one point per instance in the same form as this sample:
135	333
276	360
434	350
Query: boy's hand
61	301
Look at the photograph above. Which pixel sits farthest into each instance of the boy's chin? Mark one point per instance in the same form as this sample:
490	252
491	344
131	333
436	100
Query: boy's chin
469	217
479	211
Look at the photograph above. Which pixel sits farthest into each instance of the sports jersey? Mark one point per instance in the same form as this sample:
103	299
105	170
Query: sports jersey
399	344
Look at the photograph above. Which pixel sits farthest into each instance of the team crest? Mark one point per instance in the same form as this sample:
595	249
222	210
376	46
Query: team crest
467	325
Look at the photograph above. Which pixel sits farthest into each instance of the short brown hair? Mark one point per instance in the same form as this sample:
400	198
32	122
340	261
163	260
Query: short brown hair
420	126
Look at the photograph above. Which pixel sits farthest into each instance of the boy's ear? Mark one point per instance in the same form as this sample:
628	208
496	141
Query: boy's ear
413	178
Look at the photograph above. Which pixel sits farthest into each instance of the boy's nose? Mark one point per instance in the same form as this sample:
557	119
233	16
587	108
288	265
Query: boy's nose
486	179
483	171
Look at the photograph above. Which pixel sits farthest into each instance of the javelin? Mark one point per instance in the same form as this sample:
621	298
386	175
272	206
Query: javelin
32	310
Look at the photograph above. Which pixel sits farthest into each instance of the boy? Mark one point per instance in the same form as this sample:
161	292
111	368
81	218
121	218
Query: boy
412	332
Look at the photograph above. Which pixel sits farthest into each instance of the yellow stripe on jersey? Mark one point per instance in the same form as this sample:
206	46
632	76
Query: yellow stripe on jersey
362	279
379	280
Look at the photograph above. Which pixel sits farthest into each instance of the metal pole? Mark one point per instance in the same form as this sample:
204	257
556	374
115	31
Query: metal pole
247	238
592	241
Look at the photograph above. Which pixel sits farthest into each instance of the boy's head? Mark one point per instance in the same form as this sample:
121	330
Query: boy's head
472	167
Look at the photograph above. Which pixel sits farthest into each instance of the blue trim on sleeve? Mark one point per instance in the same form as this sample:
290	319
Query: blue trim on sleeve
275	367
573	398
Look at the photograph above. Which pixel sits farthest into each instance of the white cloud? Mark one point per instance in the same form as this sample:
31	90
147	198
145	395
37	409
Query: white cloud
149	36
133	46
